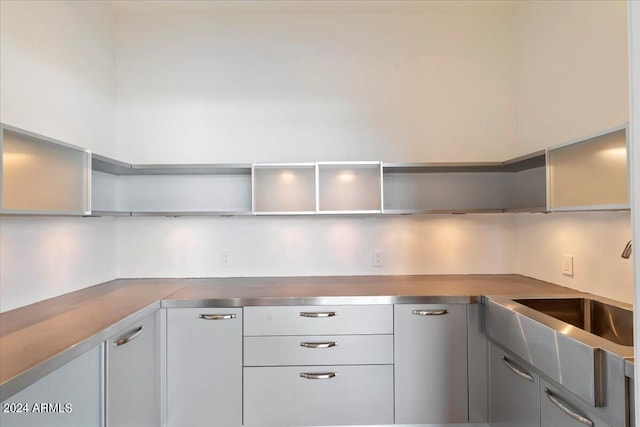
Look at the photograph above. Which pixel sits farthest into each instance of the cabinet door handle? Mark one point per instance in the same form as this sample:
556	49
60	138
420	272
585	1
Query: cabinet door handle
318	313
513	368
318	344
132	335
430	312
217	316
565	408
319	376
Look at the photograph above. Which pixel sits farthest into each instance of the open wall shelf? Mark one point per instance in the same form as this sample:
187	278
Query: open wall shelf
586	174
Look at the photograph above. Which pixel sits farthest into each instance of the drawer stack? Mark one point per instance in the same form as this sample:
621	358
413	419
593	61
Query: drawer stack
318	365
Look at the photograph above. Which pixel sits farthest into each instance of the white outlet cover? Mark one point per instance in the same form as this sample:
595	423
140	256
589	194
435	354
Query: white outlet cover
567	265
377	260
225	257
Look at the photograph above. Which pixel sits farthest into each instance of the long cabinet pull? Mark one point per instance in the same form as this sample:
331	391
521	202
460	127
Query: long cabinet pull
217	316
318	313
430	312
129	337
513	368
319	376
318	344
565	408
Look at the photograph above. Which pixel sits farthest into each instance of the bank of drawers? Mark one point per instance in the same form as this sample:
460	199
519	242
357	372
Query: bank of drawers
328	365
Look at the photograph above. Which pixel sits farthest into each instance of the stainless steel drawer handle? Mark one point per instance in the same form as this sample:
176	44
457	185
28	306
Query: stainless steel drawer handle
217	316
430	312
318	344
129	337
513	368
318	313
322	376
565	408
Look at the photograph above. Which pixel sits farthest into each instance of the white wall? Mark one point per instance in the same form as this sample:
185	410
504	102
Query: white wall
57	75
306	81
595	240
572	70
572	80
256	81
44	257
307	246
57	78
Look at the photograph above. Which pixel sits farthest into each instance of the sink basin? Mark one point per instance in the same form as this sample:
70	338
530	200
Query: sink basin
604	320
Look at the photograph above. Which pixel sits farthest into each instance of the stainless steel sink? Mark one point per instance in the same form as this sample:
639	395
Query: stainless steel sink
599	318
579	341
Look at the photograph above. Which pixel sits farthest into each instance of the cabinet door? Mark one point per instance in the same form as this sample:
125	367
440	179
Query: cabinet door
133	376
70	396
204	367
558	410
431	364
514	400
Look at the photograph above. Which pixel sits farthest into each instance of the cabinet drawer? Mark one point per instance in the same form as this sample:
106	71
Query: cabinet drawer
318	350
318	320
356	395
558	410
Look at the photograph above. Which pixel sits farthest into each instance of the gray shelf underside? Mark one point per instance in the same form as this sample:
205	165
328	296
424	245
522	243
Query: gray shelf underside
115	167
261	214
530	161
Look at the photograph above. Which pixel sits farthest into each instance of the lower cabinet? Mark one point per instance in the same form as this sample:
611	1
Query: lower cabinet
558	410
133	376
318	395
431	382
520	398
204	367
70	396
514	397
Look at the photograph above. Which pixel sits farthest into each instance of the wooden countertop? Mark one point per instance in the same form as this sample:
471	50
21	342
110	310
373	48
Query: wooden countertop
286	288
39	338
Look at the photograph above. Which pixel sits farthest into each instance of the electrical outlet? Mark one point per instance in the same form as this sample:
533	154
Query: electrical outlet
225	257
567	265
377	258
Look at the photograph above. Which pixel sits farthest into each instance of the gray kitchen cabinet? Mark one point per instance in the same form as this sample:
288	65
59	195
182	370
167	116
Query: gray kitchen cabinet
514	396
133	375
318	365
204	367
557	409
318	395
431	364
70	396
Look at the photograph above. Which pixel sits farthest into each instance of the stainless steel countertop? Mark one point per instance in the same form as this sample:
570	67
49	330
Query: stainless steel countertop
628	367
39	338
